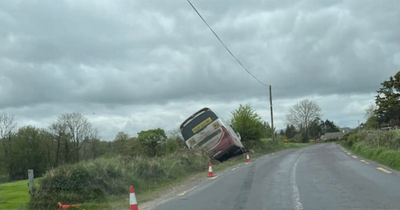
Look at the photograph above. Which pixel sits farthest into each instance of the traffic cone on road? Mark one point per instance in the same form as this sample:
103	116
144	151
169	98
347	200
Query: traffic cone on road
248	158
210	171
132	200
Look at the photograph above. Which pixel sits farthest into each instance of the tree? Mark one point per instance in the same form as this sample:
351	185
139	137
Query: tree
120	144
370	111
290	131
121	136
7	130
329	126
315	129
177	135
151	139
303	114
30	152
75	128
248	123
59	132
388	101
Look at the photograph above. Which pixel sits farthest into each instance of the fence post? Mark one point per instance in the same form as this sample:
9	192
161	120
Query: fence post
31	183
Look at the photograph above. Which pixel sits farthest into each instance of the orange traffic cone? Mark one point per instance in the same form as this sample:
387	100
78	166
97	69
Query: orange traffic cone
248	158
132	200
60	206
210	171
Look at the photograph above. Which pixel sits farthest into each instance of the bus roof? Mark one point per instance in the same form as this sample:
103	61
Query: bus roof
191	117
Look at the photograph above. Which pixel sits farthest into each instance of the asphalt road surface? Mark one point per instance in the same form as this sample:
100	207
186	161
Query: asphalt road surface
319	177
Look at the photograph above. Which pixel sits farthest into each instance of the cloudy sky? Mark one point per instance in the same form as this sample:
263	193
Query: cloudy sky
132	65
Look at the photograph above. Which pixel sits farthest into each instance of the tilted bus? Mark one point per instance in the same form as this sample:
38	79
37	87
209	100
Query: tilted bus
205	129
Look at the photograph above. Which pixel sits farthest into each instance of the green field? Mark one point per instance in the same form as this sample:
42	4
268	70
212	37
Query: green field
14	195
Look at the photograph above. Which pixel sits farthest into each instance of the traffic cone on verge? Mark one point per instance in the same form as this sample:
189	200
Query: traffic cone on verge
132	200
210	171
60	206
248	158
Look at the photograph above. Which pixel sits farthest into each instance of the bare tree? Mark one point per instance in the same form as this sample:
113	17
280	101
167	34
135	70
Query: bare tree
303	114
7	125
370	111
7	128
76	128
58	130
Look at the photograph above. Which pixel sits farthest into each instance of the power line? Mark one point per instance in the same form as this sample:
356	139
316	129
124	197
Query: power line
223	44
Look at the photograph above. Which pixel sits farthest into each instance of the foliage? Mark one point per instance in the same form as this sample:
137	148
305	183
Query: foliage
97	179
388	101
370	111
151	140
290	131
121	136
248	123
303	115
371	123
76	128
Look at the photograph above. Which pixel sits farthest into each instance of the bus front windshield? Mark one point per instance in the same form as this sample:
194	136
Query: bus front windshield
187	131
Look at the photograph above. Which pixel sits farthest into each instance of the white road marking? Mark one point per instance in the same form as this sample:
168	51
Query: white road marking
355	157
184	192
297	205
233	169
214	177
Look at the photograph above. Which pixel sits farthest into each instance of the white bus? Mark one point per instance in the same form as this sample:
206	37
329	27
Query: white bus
205	129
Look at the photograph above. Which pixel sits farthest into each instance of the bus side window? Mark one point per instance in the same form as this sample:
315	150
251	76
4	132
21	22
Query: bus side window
233	127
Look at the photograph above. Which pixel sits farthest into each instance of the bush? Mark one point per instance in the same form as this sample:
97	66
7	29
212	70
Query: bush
99	178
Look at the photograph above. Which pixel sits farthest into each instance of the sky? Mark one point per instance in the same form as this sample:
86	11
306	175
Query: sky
133	65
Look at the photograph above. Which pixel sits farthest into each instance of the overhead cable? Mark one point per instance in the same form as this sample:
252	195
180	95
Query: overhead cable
223	44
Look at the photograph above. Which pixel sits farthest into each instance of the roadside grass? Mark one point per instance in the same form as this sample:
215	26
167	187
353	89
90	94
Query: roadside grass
97	182
14	195
122	201
384	156
104	183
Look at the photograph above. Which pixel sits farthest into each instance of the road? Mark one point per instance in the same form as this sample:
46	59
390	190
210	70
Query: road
319	177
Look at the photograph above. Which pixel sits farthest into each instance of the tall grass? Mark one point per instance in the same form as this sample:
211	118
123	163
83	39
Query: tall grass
377	145
382	155
101	178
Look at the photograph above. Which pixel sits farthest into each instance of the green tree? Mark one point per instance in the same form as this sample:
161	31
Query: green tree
290	131
388	101
315	129
30	152
151	139
248	123
329	126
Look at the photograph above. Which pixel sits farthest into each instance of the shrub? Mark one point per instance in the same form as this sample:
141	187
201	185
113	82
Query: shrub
96	179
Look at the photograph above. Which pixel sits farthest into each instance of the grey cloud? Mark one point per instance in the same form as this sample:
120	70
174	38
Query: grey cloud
104	57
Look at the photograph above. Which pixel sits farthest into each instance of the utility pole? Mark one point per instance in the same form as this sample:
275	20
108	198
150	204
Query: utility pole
272	113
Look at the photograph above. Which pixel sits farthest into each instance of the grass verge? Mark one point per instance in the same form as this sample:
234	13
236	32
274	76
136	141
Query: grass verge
14	195
121	202
104	183
384	156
